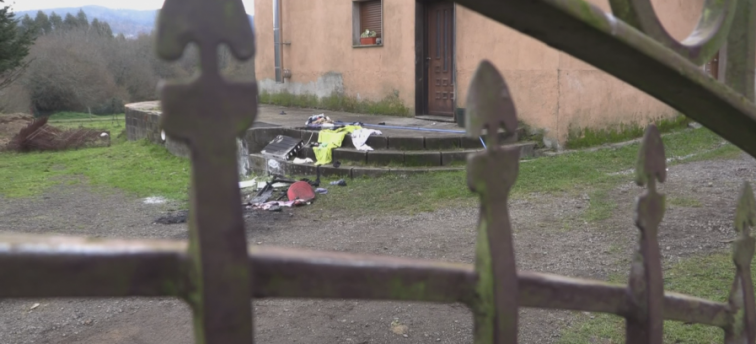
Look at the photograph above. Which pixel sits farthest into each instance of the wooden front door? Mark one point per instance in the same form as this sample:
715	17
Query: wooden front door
440	38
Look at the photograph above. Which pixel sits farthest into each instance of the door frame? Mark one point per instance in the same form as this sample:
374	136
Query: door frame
421	52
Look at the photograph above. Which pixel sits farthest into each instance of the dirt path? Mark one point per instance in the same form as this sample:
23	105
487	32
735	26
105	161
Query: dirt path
551	236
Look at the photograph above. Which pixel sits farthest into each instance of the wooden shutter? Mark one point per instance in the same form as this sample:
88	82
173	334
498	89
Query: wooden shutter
370	16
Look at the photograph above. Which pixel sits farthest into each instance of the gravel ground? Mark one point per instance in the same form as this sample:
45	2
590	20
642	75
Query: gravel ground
550	234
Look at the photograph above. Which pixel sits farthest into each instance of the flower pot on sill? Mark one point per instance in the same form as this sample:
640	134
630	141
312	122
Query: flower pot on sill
367	40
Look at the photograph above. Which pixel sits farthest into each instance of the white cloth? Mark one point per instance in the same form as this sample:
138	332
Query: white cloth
360	136
300	161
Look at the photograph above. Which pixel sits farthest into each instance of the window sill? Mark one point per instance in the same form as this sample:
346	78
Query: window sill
367	45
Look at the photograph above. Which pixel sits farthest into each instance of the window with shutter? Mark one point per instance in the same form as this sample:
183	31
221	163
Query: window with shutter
370	16
367	15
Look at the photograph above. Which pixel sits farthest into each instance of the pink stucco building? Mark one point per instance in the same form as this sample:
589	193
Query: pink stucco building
427	51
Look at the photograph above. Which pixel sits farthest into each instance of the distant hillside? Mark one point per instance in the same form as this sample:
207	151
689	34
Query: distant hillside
128	22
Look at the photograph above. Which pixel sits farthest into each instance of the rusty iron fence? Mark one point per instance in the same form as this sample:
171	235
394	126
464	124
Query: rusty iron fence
217	273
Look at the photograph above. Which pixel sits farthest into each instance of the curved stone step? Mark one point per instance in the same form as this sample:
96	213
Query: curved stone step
258	138
409	158
274	166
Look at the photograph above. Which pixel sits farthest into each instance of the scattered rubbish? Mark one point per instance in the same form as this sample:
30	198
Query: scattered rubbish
173	218
154	200
316	182
318	119
360	136
283	147
275	206
262	197
336	164
339	182
247	184
398	328
38	136
301	190
321	191
328	140
34	306
300	161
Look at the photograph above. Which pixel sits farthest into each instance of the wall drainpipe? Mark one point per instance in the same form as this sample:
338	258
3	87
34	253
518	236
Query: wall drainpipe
278	52
281	72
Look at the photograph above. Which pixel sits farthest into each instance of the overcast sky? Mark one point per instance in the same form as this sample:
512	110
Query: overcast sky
24	5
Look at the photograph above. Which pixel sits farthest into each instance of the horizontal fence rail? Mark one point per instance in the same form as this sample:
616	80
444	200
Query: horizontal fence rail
114	268
217	274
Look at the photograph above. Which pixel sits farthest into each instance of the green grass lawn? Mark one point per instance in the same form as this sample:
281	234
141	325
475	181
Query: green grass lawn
707	277
146	169
580	171
139	168
143	169
68	119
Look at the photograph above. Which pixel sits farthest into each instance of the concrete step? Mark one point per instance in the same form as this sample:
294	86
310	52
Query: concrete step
352	169
258	138
409	158
274	166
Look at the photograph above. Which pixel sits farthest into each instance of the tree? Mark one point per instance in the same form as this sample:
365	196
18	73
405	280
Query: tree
27	24
81	20
70	22
43	23
101	28
14	47
56	21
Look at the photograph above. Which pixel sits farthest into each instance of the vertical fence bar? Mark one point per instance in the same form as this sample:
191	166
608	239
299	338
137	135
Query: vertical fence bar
741	300
208	114
646	285
741	50
491	173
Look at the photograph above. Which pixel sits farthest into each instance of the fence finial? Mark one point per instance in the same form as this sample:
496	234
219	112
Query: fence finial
208	114
645	324
652	160
491	173
741	294
489	105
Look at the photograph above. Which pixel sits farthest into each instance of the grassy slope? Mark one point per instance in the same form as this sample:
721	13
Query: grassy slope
581	171
139	168
707	277
144	169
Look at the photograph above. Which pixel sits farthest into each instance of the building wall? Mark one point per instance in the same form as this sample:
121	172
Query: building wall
554	90
322	58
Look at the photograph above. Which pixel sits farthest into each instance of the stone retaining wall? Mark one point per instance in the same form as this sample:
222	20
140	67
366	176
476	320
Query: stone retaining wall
143	122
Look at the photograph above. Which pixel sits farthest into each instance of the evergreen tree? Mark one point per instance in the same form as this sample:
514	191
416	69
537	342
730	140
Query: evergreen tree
70	22
27	24
43	23
81	20
101	28
14	47
56	21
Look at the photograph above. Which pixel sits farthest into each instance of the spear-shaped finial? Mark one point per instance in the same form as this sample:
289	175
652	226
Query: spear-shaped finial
491	173
646	285
208	114
489	105
741	294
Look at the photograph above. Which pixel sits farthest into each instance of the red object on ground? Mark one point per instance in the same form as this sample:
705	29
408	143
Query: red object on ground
302	191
